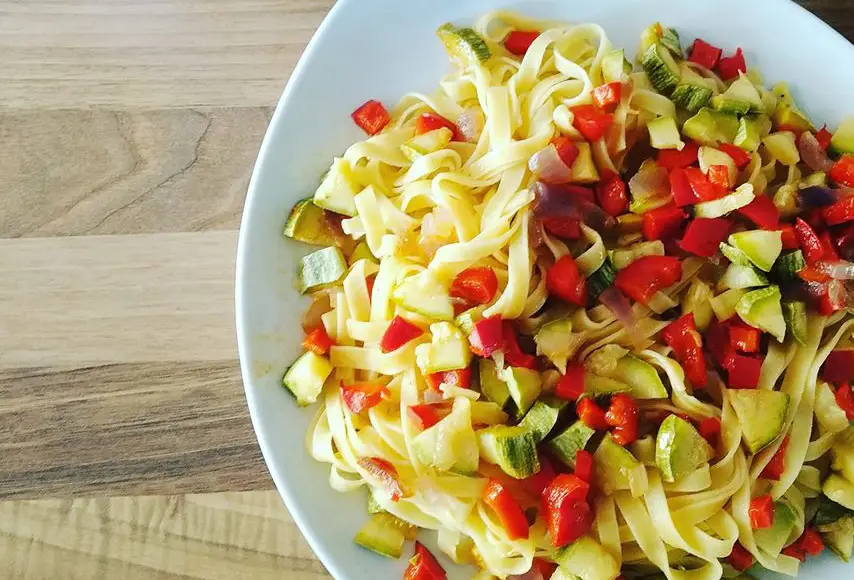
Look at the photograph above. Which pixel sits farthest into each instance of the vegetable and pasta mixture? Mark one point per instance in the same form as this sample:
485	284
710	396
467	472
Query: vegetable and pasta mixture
586	318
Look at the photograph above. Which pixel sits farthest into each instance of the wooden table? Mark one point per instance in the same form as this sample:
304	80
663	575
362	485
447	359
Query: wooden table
128	132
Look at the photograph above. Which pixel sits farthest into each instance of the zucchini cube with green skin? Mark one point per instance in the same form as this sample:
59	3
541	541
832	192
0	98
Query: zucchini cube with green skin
381	535
680	449
788	265
337	190
843	139
555	341
772	540
321	269
425	295
569	442
463	44
740	98
513	449
839	490
543	417
641	377
426	143
742	277
615	66
306	223
617	469
840	539
795	315
662	70
749	135
525	386
448	350
761	247
305	378
693	92
761	414
588	560
763	309
720	207
451	444
664	134
492	387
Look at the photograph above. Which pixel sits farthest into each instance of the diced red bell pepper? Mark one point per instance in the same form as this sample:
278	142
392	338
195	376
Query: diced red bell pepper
592	414
673	158
536	483
362	396
743	371
623	416
794	551
387	475
430	122
827	245
810	274
519	41
612	196
487	336
513	354
717	341
762	212
571	385
565	281
584	465
663	222
823	137
740	558
543	567
808	241
682	336
790	238
399	332
840	212
703	236
477	285
739	155
680	188
710	429
811	542
641	279
704	189
705	54
508	510
719	175
563	227
777	466
371	117
730	66
424	416
369	282
761	512
568	515
743	337
424	566
845	400
317	341
838	367
591	122
454	378
566	149
607	96
842	171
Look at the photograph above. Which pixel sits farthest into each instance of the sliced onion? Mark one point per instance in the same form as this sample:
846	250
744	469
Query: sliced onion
532	574
619	305
813	155
817	196
432	396
471	123
547	166
319	306
649	182
839	270
569	201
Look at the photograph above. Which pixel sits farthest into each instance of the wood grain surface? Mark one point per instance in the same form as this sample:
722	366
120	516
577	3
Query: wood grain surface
129	130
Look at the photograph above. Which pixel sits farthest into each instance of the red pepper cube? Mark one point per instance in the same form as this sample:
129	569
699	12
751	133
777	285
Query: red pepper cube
564	281
703	236
487	336
674	158
424	416
794	551
566	149
824	137
744	338
762	212
705	54
623	416
842	171
607	96
790	238
845	400
519	41
739	155
808	241
840	212
641	279
613	197
761	512
508	510
704	189
710	429
682	336
777	466
424	566
740	558
317	341
730	66
362	396
571	385
719	175
838	367
811	542
591	121
513	354
431	122
371	117
680	188
584	465
743	371
592	415
400	331
663	222
568	515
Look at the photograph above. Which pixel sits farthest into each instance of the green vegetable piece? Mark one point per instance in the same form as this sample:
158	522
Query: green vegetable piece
374	506
337	190
843	139
615	66
423	294
773	539
740	98
569	442
817	179
789	117
698	300
451	444
305	378
829	512
525	386
782	147
723	305
795	315
543	417
840	540
382	535
447	351
839	490
670	39
742	277
720	207
641	377
749	135
321	269
828	413
306	223
664	134
788	265
463	44
598	385
587	560
513	449
702	127
735	255
601	280
556	341
691	97
362	252
618	469
584	169
761	247
843	459
762	309
761	414
426	143
466	321
662	70
680	449
491	386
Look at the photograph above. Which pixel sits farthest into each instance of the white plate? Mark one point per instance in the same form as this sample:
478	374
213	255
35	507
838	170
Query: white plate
382	49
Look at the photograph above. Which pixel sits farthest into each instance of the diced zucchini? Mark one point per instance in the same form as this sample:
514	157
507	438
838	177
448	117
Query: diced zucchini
448	350
423	294
698	300
587	560
337	189
782	147
603	361
615	66
680	449
651	35
840	540
691	97
362	252
829	513
773	539
584	169
623	257
321	269
513	449
727	124
381	535
555	341
795	315
828	413
451	444
641	377
374	506
525	386
843	139
569	442
702	127
749	135
463	44
487	413
597	385
762	309
840	490
735	255
740	98
491	386
709	156
786	113
466	321
305	378
664	134
670	39
788	265
306	223
618	469
662	70
761	414
817	179
723	305
761	247
601	280
426	143
543	416
720	207
742	277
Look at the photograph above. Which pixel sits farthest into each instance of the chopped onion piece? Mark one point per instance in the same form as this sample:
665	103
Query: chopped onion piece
547	166
840	270
532	574
812	153
471	123
619	305
569	201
